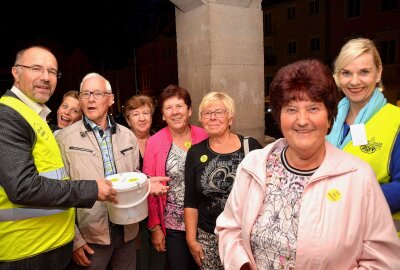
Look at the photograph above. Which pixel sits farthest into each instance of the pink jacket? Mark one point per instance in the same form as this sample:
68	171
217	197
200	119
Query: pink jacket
154	160
354	232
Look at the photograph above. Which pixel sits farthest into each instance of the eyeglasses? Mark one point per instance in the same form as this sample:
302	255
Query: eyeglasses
217	113
37	69
96	94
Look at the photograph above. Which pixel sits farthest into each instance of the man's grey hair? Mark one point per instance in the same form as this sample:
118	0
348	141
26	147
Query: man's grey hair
94	74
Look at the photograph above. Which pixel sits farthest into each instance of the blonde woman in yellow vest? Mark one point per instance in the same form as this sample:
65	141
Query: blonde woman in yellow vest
36	218
367	125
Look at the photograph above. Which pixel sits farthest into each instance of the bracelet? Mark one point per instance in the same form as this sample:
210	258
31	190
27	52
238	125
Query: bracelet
155	228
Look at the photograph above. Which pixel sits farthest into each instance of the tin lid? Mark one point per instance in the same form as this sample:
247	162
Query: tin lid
127	180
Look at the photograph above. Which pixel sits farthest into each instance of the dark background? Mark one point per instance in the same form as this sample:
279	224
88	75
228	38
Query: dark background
101	28
106	31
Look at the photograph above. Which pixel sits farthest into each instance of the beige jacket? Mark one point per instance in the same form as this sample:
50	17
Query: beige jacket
83	160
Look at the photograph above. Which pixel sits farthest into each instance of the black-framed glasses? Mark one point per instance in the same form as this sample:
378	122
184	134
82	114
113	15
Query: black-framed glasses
97	94
217	113
40	69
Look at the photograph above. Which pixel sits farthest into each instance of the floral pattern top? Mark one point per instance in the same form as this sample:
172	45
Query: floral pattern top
274	233
175	167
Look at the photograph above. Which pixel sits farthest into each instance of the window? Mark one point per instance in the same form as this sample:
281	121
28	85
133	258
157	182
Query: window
269	56
388	51
314	7
353	8
291	13
267	24
388	5
291	45
315	44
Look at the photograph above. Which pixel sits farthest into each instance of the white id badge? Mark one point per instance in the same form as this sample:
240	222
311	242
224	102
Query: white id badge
358	134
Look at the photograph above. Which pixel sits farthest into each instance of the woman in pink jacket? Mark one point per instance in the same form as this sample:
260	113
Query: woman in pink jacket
300	203
165	155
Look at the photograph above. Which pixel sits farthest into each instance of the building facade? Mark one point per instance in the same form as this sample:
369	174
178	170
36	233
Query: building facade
300	29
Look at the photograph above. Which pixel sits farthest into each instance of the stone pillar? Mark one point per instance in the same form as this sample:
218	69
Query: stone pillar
220	48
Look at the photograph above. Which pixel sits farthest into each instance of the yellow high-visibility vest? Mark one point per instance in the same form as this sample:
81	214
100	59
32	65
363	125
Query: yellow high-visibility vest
28	231
381	131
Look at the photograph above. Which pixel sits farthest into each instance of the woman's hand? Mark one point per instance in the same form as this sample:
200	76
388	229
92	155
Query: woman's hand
157	187
158	239
197	252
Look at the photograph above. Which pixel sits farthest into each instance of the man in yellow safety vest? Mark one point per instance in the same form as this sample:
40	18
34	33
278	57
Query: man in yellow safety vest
36	199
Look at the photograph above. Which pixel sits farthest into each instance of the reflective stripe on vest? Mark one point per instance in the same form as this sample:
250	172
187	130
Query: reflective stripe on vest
60	174
26	213
26	231
380	144
32	212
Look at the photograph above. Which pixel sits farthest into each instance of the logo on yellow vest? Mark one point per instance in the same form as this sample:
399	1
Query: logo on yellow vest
41	131
371	147
334	195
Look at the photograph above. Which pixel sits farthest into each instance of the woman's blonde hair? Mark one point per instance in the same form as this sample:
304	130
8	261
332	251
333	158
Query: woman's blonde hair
71	93
353	49
213	97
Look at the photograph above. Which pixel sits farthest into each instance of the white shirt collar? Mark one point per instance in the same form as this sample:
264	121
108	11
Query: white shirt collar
42	110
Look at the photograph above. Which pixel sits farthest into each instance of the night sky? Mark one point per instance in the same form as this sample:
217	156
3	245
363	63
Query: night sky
106	29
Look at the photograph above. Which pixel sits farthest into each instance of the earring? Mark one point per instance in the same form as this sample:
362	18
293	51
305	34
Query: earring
379	85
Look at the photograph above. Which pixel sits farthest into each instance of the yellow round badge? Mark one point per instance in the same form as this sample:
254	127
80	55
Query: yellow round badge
334	195
188	144
203	158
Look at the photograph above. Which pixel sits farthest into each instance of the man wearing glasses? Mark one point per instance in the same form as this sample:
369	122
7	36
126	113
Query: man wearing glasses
36	200
97	146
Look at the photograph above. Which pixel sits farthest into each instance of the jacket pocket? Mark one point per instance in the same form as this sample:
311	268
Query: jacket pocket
126	150
126	158
81	149
84	163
